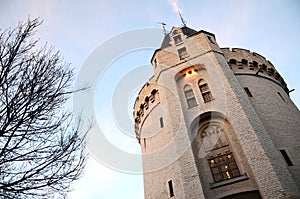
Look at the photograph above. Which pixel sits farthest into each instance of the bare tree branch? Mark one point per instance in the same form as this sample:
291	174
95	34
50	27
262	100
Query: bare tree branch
41	150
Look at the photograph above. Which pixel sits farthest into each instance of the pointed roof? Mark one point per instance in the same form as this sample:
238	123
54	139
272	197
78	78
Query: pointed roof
185	30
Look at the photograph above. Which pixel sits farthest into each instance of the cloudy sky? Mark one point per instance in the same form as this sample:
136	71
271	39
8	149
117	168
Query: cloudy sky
78	28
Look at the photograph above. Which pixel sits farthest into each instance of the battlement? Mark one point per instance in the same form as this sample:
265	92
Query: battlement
147	98
245	62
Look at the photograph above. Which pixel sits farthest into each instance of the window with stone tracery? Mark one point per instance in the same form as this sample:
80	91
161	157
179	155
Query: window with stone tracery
220	159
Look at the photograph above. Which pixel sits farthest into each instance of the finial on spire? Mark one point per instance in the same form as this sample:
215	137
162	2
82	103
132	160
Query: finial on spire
182	20
164	27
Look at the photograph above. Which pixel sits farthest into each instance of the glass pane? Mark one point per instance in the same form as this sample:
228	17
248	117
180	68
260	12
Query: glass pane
203	88
192	102
189	93
207	97
217	178
215	170
235	172
232	165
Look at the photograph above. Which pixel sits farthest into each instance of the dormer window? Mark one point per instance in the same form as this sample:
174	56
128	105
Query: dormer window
177	39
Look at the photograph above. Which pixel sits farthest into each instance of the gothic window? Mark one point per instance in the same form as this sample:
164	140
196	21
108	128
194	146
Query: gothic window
221	161
205	91
223	167
182	53
189	96
213	138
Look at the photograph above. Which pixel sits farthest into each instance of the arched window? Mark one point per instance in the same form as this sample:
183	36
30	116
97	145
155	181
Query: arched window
205	91
220	159
189	96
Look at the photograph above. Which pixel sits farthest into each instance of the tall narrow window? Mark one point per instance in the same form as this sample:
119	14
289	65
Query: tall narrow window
286	158
204	89
248	92
171	191
161	122
190	97
145	142
281	96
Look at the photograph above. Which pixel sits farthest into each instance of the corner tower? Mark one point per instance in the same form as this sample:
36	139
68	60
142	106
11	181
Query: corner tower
216	123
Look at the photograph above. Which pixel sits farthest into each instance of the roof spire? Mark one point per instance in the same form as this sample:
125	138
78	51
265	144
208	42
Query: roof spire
182	20
164	27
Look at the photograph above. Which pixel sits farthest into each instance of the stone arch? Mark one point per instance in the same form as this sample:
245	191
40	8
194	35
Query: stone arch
215	158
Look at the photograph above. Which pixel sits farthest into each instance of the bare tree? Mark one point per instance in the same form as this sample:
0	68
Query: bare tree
41	150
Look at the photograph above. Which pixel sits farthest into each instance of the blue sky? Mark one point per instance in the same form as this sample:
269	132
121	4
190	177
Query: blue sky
76	28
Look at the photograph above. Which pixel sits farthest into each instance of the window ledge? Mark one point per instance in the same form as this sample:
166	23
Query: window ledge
230	181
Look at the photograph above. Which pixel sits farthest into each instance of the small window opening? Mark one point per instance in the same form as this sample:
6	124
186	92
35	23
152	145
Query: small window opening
145	142
281	96
161	121
232	62
182	53
286	158
248	92
155	63
177	39
171	190
210	39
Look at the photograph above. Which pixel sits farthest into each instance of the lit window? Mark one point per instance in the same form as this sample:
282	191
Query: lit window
223	167
220	159
204	89
182	53
190	97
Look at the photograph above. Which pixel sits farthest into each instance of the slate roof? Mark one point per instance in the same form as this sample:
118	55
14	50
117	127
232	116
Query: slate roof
185	30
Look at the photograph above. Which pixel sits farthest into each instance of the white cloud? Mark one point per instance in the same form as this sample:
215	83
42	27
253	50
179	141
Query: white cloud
175	6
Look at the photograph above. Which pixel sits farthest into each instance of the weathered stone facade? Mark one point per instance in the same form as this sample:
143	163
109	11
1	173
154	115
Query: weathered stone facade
216	123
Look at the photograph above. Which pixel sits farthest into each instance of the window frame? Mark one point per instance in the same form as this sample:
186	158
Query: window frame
229	171
190	96
206	94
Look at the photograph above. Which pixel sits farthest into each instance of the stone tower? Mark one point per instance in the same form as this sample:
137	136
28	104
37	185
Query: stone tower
216	123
